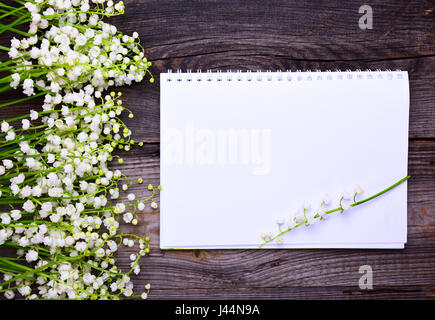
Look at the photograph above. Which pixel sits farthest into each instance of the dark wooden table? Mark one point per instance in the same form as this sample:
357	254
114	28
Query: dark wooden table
270	35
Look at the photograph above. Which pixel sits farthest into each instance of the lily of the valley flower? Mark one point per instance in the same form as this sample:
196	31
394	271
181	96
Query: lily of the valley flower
55	169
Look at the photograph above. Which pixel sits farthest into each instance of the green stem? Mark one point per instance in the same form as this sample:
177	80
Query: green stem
341	209
381	193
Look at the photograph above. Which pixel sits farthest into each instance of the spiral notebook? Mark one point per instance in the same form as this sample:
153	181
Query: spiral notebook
241	150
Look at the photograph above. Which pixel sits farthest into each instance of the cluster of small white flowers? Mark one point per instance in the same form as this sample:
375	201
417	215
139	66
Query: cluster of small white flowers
308	217
83	49
54	169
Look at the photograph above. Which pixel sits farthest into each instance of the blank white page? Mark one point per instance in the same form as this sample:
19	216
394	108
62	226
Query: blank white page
240	149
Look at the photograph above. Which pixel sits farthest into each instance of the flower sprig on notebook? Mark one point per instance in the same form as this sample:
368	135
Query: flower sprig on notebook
308	217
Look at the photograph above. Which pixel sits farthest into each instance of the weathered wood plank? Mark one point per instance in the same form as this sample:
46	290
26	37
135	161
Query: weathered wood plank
234	271
321	30
296	293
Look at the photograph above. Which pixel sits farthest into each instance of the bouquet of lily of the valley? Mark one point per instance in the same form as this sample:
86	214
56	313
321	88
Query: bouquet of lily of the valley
61	203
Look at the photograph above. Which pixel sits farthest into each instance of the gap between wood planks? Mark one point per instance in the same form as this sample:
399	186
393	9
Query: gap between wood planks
291	58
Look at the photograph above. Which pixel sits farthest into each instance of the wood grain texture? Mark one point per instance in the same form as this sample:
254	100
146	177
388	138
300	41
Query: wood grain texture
269	35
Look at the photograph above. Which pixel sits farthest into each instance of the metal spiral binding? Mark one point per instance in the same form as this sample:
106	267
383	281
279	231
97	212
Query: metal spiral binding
279	75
